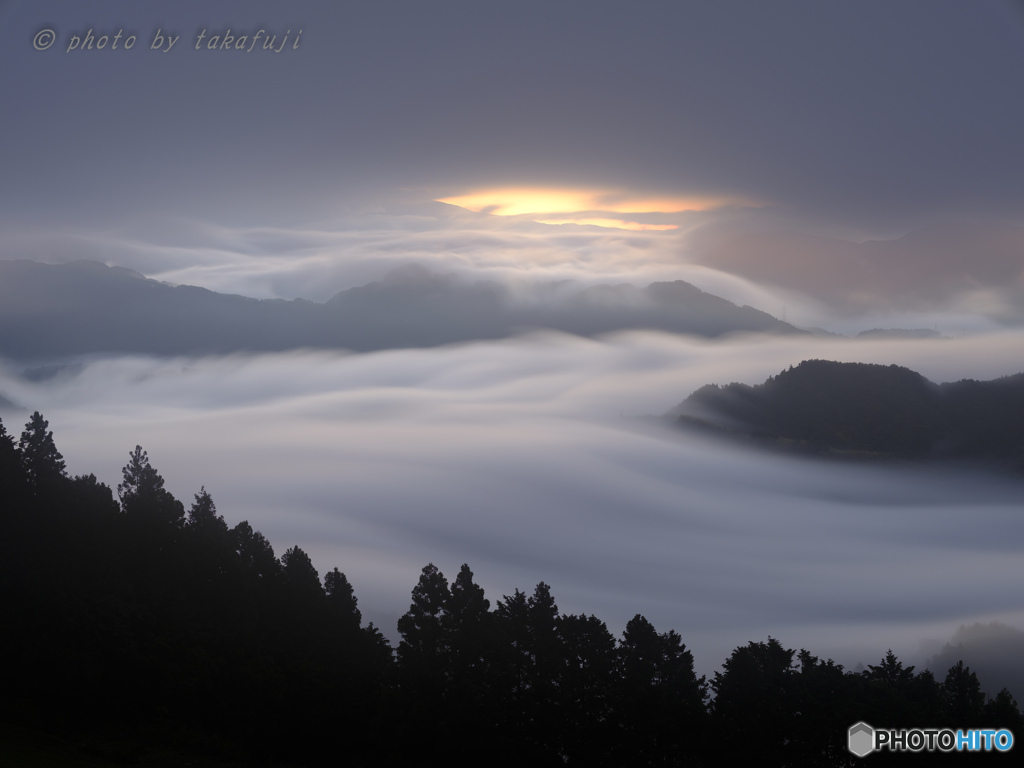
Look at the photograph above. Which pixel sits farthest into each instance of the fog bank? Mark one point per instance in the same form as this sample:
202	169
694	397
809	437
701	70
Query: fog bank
536	459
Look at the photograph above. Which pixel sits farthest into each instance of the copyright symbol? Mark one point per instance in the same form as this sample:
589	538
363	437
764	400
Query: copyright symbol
44	39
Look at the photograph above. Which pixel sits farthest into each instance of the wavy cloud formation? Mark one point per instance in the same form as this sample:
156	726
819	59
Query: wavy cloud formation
536	459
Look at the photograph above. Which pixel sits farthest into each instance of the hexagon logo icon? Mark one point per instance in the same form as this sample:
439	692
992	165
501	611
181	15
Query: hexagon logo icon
860	739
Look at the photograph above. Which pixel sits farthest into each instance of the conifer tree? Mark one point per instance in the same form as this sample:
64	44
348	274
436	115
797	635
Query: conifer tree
300	575
963	697
516	660
422	671
202	516
586	690
142	491
890	672
41	462
342	599
255	554
755	695
466	622
10	463
423	639
662	698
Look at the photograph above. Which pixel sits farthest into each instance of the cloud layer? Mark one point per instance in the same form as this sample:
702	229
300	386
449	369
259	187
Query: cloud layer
954	267
528	459
865	115
956	277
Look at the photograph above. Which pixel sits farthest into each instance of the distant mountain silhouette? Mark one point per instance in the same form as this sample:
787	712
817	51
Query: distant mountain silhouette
870	410
85	307
900	333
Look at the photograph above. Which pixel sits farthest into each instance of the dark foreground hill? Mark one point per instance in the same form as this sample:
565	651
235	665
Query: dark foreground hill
137	632
868	410
50	311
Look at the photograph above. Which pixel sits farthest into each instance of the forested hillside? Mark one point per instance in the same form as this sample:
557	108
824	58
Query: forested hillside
834	408
134	623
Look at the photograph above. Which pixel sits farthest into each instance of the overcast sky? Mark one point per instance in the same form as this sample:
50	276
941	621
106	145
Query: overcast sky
864	114
672	134
845	165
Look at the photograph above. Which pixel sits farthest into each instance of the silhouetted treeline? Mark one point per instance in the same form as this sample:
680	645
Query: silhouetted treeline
140	610
139	615
822	406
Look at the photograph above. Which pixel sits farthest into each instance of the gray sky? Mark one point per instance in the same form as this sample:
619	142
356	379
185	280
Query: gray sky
864	114
303	172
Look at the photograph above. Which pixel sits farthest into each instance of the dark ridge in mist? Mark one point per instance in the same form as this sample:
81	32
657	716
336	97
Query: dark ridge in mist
901	333
144	634
55	311
868	411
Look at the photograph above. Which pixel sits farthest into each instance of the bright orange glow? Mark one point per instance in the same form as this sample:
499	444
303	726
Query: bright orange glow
613	223
516	201
669	205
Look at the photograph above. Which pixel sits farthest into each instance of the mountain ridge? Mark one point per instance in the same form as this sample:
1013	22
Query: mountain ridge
85	307
866	410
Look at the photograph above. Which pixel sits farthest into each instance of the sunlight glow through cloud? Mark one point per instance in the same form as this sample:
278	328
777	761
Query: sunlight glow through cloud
516	201
612	223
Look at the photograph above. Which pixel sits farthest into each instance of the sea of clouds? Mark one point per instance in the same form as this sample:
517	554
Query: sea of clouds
541	458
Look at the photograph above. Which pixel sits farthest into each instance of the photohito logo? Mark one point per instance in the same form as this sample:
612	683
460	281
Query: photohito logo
862	739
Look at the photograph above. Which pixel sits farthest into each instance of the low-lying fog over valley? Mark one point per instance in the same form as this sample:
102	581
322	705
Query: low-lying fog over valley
544	457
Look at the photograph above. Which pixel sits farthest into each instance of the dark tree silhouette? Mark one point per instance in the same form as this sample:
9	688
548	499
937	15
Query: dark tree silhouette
860	410
142	491
92	496
894	694
754	695
1003	712
470	699
465	622
133	615
542	622
662	698
543	728
423	645
255	554
10	465
423	673
825	704
890	672
42	464
203	517
342	600
299	574
587	692
513	673
963	697
302	598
